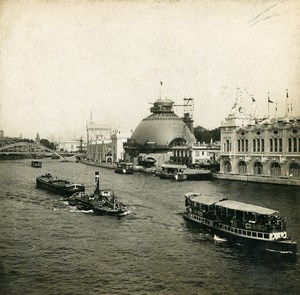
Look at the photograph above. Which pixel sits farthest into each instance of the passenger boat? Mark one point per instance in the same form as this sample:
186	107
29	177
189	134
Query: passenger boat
169	171
102	201
250	225
36	164
124	168
58	186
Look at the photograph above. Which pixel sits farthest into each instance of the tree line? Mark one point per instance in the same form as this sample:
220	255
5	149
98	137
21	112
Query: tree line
206	135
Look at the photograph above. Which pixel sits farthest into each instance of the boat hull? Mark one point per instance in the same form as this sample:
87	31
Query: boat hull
284	246
57	188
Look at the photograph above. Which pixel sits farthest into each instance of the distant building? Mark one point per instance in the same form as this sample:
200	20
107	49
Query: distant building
158	133
260	147
70	146
196	154
104	144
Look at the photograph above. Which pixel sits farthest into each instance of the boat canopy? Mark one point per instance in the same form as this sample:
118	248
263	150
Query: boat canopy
174	166
203	199
234	205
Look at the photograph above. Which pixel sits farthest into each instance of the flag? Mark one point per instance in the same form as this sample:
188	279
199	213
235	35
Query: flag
161	83
287	94
270	101
253	100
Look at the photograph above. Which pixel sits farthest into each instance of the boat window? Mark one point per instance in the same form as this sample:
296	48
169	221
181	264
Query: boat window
244	232
253	234
259	235
240	231
266	236
248	233
235	230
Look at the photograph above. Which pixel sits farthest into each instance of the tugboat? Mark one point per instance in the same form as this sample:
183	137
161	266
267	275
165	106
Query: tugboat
36	164
102	202
58	186
249	225
124	168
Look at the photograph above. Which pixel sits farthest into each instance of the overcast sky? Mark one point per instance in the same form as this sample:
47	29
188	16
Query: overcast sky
60	60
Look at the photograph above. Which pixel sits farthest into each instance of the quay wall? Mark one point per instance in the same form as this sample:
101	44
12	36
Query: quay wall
261	179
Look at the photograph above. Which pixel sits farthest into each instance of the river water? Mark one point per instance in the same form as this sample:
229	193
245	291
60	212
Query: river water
47	247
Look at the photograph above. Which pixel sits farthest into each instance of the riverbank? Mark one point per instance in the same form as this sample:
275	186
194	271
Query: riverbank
260	179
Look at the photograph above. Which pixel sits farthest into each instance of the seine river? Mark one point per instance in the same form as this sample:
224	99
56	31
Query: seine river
47	247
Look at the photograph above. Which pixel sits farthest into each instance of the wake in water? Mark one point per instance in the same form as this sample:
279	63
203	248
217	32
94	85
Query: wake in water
218	239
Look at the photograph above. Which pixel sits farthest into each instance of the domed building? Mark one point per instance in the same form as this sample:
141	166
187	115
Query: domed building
161	130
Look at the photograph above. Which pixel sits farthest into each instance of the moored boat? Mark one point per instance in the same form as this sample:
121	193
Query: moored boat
124	168
250	225
102	201
58	186
36	164
173	171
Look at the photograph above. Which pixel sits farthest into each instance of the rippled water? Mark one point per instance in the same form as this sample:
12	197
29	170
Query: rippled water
46	247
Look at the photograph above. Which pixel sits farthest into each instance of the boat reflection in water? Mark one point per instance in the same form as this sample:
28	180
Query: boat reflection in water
249	225
102	202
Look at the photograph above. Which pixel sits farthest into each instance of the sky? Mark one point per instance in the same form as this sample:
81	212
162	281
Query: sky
61	61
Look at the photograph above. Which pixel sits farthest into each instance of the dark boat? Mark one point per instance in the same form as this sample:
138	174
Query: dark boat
173	171
36	164
102	201
249	225
58	186
124	168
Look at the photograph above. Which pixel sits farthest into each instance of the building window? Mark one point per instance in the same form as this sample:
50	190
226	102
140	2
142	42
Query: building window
280	145
258	168
262	145
275	169
242	167
271	145
254	145
227	167
294	170
295	144
239	145
243	145
246	141
290	145
275	145
258	145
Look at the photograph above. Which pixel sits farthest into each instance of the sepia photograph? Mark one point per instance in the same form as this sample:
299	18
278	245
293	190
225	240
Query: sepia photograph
149	147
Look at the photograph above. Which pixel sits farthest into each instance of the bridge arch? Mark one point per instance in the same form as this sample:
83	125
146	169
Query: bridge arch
27	148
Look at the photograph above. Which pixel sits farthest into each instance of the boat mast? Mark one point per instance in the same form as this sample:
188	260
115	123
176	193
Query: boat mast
97	189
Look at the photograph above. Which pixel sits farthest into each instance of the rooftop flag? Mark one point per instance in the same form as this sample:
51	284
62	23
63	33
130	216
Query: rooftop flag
253	100
270	101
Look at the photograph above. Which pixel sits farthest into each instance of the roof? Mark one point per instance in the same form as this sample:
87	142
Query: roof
203	199
245	207
162	128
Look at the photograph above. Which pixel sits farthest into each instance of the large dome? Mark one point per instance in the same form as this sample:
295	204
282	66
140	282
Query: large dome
163	127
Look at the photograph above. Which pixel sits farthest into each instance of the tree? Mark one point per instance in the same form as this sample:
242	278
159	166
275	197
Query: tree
205	135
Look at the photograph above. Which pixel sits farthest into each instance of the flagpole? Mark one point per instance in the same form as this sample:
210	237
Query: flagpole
286	104
268	104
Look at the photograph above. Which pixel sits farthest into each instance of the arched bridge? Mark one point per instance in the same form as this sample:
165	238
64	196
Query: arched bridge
29	149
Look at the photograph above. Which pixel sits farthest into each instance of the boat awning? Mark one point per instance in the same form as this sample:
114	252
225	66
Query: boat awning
246	207
174	166
203	199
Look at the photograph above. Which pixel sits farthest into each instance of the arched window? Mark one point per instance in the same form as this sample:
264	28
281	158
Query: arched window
227	167
275	169
246	144
290	145
227	144
262	145
294	170
258	168
242	167
280	145
275	145
295	144
258	145
243	145
271	145
254	145
239	145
